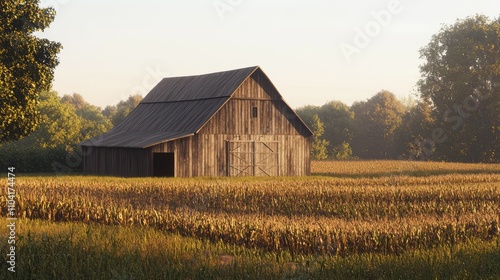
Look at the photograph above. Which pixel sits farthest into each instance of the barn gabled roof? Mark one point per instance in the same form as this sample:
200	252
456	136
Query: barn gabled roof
175	108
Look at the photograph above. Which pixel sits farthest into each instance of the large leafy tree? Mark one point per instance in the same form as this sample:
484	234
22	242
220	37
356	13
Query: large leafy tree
50	143
461	79
338	121
93	122
26	65
307	112
375	124
414	135
60	126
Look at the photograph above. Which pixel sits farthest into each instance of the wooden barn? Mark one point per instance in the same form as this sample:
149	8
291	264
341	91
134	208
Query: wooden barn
232	123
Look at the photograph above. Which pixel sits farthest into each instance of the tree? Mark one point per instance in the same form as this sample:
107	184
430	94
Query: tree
59	125
341	152
26	65
375	124
414	135
117	113
461	79
64	123
55	137
318	147
338	121
93	122
306	113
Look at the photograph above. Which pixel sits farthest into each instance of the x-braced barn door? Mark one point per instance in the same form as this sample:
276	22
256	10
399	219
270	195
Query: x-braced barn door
252	158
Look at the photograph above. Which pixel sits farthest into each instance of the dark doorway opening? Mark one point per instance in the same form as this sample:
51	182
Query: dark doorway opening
163	164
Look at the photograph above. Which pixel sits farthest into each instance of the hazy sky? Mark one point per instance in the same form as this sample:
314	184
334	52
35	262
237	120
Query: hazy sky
313	51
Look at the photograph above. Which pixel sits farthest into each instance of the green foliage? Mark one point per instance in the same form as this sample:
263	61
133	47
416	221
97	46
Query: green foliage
59	127
413	136
62	126
26	65
64	122
318	146
27	158
93	122
375	124
461	77
306	113
457	117
337	121
117	113
342	151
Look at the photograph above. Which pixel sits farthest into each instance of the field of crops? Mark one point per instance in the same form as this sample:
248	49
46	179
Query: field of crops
352	208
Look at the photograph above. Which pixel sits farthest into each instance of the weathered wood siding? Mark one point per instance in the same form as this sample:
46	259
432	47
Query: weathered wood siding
205	153
124	162
274	116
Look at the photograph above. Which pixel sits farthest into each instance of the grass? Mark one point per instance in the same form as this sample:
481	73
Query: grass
48	250
352	220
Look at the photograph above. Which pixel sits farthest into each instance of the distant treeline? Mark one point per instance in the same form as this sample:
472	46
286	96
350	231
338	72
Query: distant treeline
381	127
384	127
65	121
456	116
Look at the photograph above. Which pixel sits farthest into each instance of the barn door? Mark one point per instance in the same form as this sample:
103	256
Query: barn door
163	164
252	158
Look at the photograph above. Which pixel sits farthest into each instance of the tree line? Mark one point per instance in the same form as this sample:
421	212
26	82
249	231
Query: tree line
64	122
455	116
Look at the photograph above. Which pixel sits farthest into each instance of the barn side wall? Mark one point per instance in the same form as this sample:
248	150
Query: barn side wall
124	162
206	155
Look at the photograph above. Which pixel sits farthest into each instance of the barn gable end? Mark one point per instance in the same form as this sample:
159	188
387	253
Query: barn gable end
232	123
274	116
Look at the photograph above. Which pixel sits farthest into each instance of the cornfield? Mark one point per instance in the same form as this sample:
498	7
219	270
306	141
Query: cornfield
387	209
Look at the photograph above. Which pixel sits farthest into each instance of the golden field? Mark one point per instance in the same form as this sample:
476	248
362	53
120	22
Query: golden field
346	208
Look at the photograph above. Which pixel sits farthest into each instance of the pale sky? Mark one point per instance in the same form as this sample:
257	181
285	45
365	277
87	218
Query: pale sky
313	51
